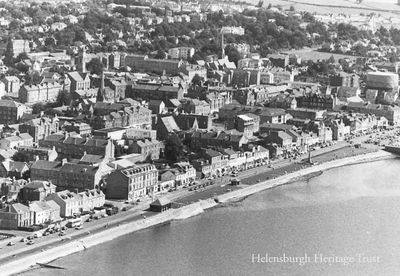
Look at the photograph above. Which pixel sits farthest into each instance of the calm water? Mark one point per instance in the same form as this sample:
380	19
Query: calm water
342	213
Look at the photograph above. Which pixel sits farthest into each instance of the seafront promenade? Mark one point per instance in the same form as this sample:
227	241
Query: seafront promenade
27	261
288	178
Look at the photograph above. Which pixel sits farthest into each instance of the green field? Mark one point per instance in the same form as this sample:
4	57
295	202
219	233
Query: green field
336	6
312	54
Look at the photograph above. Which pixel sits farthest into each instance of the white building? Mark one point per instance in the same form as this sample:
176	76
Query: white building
187	174
181	52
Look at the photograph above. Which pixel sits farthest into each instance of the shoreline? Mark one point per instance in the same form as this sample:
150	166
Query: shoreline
74	246
294	176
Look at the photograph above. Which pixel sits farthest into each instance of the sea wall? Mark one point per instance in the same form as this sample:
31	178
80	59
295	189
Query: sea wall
70	247
75	246
249	190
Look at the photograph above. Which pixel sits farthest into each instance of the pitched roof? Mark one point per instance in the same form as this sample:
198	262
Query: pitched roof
173	103
8	103
68	196
20	208
212	153
284	135
129	101
75	76
161	202
276	126
158	87
75	140
228	151
46	165
39	206
78	168
55	137
96	142
53	205
170	124
244	117
273	112
155	102
91	159
14	166
39	185
25	136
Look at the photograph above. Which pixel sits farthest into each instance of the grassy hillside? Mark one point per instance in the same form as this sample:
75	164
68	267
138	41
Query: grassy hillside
336	6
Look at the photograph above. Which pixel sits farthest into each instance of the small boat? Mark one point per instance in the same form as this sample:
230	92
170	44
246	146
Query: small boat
50	266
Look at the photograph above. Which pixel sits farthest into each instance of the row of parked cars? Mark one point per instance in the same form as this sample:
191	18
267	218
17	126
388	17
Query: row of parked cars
199	186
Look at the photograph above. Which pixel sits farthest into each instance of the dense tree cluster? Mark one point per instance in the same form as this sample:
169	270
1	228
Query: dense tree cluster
174	148
266	31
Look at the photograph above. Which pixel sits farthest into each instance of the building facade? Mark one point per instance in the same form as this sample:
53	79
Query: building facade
132	183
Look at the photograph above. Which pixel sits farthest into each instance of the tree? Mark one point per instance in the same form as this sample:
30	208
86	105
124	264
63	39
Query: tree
393	57
95	66
21	157
197	80
233	54
37	108
119	150
360	50
65	37
264	49
15	25
173	148
80	34
49	42
9	54
331	59
21	56
23	68
26	175
63	98
160	54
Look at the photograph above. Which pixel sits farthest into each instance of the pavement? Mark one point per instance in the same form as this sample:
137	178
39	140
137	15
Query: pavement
184	196
21	249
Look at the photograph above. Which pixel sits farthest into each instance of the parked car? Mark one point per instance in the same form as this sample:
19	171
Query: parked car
30	242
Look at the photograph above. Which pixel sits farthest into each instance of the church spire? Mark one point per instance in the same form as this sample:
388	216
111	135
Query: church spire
222	46
83	60
100	93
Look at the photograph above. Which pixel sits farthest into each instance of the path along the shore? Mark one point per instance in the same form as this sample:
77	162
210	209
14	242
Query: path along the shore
74	246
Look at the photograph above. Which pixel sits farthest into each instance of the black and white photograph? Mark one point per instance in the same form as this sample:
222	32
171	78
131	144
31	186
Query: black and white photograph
199	137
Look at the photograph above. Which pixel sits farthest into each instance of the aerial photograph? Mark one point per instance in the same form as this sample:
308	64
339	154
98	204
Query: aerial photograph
199	137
